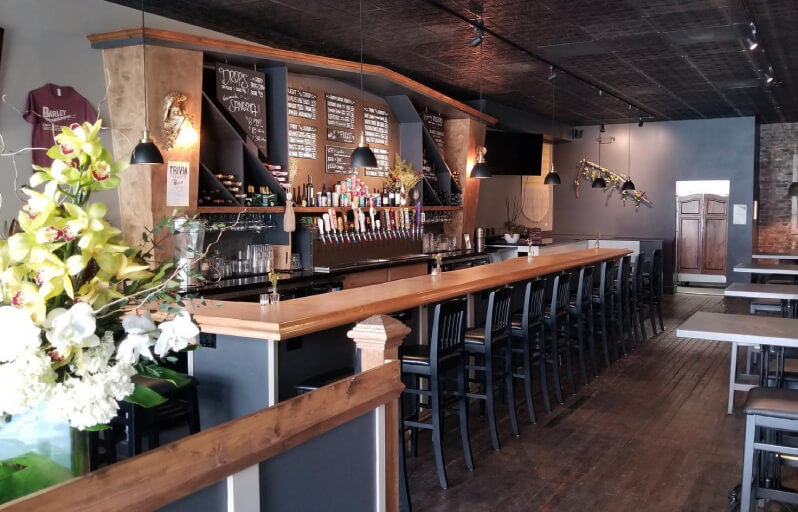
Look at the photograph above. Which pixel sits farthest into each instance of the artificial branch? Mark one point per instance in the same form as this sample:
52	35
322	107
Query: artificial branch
590	171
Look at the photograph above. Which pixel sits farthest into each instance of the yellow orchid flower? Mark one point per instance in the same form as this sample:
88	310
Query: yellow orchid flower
50	273
77	139
79	220
98	293
25	295
38	211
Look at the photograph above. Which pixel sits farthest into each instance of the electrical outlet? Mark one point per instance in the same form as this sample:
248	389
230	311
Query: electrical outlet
293	344
207	340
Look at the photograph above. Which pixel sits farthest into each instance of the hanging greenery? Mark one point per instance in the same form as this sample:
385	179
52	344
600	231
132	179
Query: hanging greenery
590	171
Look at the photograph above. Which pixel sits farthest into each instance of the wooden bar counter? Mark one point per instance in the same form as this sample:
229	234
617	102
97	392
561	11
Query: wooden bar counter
307	315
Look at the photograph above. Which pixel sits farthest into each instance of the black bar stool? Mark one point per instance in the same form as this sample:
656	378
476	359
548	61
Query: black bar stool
623	322
637	302
493	342
603	307
528	342
558	325
652	286
581	313
432	362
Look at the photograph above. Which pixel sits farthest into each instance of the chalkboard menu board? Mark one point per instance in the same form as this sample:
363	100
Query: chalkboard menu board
340	111
301	104
376	125
382	163
242	92
434	124
338	135
337	161
302	141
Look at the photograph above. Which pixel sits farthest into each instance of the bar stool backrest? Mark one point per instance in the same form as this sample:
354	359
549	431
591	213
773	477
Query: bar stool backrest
622	276
639	270
656	273
448	328
534	291
498	314
607	273
584	289
561	294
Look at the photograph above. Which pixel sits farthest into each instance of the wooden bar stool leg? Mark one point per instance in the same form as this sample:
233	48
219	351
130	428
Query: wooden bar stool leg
489	400
592	336
528	381
462	389
580	340
414	415
437	441
509	388
569	369
555	366
659	313
544	382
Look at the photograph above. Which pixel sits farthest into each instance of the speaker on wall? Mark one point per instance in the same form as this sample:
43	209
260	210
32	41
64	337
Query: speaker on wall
576	133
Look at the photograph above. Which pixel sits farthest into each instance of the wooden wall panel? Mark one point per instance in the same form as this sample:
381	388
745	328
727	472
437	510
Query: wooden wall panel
463	137
142	195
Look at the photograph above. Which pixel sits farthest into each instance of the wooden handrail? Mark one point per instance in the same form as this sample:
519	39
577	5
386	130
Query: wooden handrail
166	474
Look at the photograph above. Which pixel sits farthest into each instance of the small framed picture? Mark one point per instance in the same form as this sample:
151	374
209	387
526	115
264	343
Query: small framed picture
467	242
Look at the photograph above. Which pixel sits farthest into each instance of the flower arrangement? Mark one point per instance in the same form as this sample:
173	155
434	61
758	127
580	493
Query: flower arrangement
70	289
273	278
402	174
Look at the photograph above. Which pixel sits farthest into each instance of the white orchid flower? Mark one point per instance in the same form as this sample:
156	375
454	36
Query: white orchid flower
134	347
22	336
138	324
176	334
72	328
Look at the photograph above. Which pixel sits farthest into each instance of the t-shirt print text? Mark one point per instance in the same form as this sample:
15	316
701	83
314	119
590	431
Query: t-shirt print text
53	116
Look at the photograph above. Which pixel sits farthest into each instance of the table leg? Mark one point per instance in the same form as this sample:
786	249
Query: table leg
732	376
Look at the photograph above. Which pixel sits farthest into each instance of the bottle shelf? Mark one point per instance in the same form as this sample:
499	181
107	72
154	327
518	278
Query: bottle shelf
313	209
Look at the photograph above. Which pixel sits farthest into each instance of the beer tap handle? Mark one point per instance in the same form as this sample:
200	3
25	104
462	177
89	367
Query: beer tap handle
320	224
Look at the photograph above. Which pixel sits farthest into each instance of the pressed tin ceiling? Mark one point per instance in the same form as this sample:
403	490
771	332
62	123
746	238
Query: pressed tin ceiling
670	59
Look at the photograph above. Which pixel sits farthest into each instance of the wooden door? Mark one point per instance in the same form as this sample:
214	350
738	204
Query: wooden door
689	223
714	227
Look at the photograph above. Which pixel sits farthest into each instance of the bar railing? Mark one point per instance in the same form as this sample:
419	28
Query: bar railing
164	475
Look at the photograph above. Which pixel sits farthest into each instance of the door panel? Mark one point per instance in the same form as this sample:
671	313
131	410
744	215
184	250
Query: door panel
690	205
714	250
715	205
689	245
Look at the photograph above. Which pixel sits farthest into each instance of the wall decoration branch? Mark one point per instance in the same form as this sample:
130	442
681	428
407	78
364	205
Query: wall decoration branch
590	171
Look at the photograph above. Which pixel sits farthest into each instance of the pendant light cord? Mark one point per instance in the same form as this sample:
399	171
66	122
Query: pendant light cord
481	46
362	95
629	144
144	62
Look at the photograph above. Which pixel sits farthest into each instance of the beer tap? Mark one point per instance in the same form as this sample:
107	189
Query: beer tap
373	225
418	221
362	218
344	234
356	224
377	227
403	222
320	223
329	227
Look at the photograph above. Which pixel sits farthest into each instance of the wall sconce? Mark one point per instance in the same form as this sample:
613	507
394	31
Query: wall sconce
177	125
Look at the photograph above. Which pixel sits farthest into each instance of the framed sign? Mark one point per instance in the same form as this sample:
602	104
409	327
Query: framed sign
382	164
375	124
177	178
301	104
242	92
337	160
302	141
340	111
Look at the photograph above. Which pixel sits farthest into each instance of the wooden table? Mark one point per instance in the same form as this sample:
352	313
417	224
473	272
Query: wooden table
775	256
786	293
767	268
740	330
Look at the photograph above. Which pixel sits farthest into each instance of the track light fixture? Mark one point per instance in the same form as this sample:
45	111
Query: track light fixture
602	129
479	33
640	122
752	42
769	77
552	73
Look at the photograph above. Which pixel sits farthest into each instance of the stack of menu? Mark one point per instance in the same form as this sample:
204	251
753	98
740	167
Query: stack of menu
535	236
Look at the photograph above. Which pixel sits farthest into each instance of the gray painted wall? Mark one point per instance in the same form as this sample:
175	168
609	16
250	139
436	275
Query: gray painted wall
662	153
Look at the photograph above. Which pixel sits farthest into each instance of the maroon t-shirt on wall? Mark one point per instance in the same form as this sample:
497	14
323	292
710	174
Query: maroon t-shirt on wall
48	109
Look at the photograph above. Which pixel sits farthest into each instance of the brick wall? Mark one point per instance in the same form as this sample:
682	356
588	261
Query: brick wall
777	145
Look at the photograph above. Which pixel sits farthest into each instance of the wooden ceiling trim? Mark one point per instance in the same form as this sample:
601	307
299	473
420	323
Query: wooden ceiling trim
131	36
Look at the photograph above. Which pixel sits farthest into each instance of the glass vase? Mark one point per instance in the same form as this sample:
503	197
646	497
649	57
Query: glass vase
37	452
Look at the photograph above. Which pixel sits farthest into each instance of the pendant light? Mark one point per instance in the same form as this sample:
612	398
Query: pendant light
145	152
362	156
481	170
628	185
599	181
552	178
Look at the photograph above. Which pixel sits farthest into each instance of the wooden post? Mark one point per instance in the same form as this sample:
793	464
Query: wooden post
378	339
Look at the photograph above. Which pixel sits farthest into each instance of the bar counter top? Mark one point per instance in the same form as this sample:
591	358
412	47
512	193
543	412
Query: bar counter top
306	315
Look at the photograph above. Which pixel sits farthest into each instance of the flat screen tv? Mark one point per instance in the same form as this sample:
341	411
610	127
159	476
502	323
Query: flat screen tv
514	153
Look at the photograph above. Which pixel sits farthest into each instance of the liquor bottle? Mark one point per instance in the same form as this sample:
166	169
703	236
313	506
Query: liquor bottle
309	192
402	196
385	201
390	196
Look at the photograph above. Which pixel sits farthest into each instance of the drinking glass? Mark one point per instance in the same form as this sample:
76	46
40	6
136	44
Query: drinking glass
264	299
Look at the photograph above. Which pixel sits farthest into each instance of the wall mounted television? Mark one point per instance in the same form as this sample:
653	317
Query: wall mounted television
514	153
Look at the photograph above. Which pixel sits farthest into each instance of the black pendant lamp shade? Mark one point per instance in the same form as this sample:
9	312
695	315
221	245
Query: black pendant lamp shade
599	182
145	152
552	178
628	185
362	156
481	170
793	190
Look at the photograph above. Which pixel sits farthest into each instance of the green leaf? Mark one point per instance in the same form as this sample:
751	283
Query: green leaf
176	378
97	428
29	473
145	397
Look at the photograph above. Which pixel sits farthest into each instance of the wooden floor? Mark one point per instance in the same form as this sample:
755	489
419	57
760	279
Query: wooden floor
650	434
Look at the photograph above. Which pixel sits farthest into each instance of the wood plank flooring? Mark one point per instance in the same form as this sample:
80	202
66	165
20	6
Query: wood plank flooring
651	433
